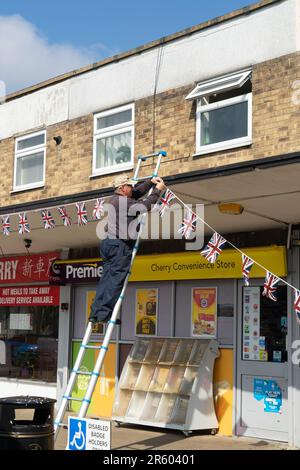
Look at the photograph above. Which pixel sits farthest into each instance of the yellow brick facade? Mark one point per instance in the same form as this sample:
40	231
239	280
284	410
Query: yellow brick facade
168	123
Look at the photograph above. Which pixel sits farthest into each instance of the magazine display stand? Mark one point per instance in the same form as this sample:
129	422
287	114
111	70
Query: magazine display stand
167	383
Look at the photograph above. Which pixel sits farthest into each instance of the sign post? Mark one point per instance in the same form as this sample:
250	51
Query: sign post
88	434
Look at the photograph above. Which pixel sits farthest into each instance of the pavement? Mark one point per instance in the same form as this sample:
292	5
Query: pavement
134	438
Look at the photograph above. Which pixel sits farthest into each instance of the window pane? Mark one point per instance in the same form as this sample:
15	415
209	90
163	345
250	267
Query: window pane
31	142
114	119
219	125
113	150
264	325
29	342
30	169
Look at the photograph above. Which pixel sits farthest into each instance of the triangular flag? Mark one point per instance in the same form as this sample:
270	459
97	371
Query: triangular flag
65	217
47	219
188	226
297	305
269	286
81	213
247	264
164	202
213	248
6	225
23	224
98	209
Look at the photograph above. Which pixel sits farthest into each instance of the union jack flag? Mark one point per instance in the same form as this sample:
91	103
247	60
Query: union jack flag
6	225
98	209
23	224
81	213
47	219
164	202
65	217
269	286
188	225
247	264
297	305
213	248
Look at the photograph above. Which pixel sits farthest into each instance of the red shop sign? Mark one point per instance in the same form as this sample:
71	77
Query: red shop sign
23	269
19	296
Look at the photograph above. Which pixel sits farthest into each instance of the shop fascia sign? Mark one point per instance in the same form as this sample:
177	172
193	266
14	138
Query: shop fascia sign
176	266
64	272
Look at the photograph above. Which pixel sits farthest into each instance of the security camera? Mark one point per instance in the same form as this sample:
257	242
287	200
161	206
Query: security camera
27	242
58	139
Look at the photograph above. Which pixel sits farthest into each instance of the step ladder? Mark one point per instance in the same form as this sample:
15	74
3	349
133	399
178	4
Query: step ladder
85	402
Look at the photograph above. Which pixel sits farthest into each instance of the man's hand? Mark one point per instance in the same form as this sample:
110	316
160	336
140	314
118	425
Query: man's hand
158	182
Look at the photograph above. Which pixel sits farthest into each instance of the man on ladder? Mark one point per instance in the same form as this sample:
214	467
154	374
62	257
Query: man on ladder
116	249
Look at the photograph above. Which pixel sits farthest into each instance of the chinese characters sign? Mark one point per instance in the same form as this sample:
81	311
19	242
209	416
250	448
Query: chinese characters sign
32	295
204	311
26	269
146	311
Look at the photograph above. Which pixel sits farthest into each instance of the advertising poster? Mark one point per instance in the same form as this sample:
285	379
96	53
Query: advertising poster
146	312
97	327
253	344
204	311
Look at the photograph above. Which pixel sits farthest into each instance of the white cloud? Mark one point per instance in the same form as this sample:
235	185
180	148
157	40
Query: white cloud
27	57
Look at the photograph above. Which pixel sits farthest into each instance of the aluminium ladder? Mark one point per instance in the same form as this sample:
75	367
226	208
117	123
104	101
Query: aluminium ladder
85	402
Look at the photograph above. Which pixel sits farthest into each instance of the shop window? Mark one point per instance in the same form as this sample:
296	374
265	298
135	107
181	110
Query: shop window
264	325
224	112
113	140
30	155
28	343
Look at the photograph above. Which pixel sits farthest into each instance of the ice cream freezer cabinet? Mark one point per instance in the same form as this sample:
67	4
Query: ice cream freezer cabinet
167	383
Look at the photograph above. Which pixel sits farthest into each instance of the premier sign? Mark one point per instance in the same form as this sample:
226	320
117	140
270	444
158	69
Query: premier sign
64	272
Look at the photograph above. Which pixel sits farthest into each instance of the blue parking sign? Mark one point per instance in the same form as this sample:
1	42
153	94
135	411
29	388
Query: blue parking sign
77	434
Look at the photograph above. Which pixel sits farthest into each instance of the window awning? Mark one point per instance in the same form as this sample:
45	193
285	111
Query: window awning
225	83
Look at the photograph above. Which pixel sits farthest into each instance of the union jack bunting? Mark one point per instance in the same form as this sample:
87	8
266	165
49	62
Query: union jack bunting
98	209
164	202
188	225
269	286
297	305
247	264
81	213
213	248
65	217
23	224
6	225
47	219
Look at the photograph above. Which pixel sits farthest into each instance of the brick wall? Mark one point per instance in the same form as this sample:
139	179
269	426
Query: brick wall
168	124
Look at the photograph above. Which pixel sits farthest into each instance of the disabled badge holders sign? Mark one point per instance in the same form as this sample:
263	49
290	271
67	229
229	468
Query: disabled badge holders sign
88	434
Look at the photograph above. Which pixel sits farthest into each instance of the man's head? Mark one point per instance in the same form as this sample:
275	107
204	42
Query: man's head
123	185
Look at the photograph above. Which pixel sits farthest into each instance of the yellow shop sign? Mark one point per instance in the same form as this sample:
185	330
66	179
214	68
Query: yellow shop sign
191	265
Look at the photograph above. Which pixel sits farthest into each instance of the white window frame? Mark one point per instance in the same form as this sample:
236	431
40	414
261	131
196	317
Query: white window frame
29	151
227	144
111	131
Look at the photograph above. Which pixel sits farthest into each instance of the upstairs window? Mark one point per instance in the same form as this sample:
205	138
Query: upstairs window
30	156
113	140
224	112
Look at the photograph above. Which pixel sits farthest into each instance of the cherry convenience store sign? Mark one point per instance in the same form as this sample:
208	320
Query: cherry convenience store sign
26	269
29	295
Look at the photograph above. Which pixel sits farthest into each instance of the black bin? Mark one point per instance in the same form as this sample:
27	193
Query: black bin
26	423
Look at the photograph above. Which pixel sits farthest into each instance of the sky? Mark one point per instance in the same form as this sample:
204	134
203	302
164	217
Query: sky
43	39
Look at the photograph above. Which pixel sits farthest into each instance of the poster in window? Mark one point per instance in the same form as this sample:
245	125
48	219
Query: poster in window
96	327
146	312
254	345
204	312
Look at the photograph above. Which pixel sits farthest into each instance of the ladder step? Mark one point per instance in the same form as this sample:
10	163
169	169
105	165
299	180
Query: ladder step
73	398
80	372
88	346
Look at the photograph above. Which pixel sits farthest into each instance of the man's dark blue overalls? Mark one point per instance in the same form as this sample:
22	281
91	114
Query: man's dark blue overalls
116	248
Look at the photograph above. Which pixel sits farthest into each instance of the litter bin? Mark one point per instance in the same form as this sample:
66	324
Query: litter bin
26	423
